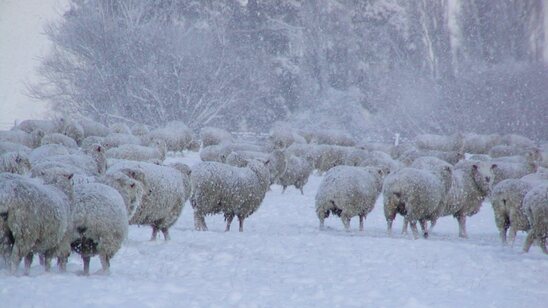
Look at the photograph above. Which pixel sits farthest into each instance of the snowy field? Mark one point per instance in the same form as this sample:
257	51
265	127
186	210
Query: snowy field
283	260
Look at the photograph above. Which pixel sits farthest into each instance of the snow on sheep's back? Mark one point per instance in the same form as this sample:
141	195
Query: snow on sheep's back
22	43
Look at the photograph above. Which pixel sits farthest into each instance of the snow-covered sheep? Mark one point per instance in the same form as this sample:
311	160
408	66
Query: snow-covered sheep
414	193
440	142
399	149
355	156
6	146
310	152
510	150
47	126
131	190
282	136
471	184
74	130
176	135
296	173
381	160
332	156
114	140
120	128
535	204
451	157
376	146
233	191
480	144
347	192
440	168
236	159
93	128
166	194
332	137
99	223
92	163
517	140
31	140
218	153
277	161
213	136
15	162
157	151
88	141
510	169
57	138
537	177
506	199
47	150
34	215
140	129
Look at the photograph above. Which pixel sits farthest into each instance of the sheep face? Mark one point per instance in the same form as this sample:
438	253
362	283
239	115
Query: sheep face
483	176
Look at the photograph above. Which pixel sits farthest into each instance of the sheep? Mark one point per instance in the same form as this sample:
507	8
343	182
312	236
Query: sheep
233	191
15	162
131	190
296	173
35	218
282	137
451	157
115	140
166	194
332	156
510	150
93	128
140	129
6	146
94	163
213	136
218	153
347	192
376	146
276	166
509	169
537	177
175	133
506	199
310	152
535	204
471	183
479	144
99	223
236	159
57	138
75	131
138	152
355	157
90	140
120	128
332	137
381	160
517	140
414	193
47	150
194	145
47	126
439	143
31	140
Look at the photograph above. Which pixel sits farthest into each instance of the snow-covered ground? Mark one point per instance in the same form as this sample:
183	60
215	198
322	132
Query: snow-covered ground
22	43
283	260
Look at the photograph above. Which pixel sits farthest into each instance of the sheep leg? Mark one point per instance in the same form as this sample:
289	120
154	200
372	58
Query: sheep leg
165	232
404	227
62	263
389	226
462	226
105	263
432	224
28	262
15	258
529	241
362	218
283	189
42	260
229	218
321	217
414	229
86	264
542	243
502	224
241	220
301	189
512	235
47	263
424	228
346	222
199	222
154	233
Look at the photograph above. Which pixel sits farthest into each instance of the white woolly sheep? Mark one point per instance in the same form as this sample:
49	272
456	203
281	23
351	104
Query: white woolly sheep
75	131
535	204
166	194
47	150
332	156
114	140
508	169
236	159
296	173
15	162
517	140
439	142
99	223
381	160
218	153
347	192
93	128
138	152
470	185
176	135
120	128
31	140
140	129
510	150
277	161
92	163
213	136
233	191
47	126
506	199
57	138
332	137
89	141
310	152
451	157
414	193
479	144
35	216
6	146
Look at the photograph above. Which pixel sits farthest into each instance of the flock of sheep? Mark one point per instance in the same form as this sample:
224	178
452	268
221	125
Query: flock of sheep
76	185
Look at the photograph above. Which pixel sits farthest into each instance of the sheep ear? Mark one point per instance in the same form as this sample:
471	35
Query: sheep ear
266	163
380	172
99	148
447	168
475	167
132	185
18	159
494	166
69	177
